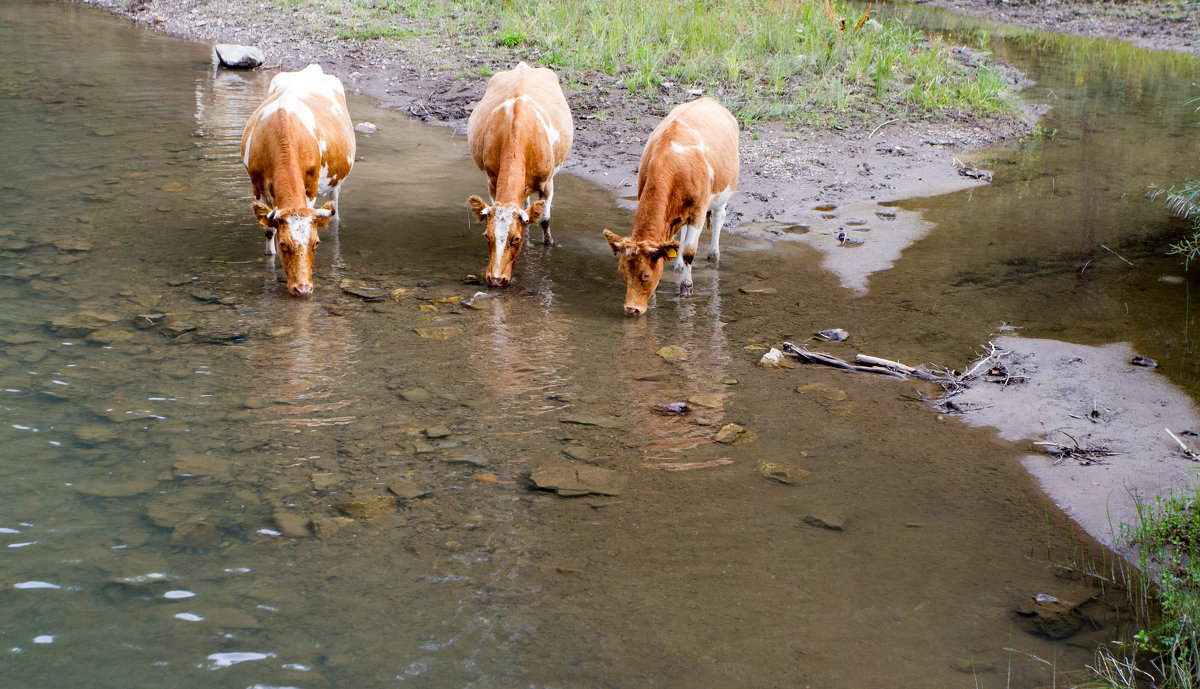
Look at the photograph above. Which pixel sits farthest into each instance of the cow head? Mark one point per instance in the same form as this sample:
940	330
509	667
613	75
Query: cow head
505	231
641	264
296	238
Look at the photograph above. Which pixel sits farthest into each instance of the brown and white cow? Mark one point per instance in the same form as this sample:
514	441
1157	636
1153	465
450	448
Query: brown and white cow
520	133
689	170
298	144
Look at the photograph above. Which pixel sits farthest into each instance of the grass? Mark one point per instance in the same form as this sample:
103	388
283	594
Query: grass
765	59
1166	652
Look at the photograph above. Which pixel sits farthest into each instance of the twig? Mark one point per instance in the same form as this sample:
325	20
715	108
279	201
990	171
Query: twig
982	361
1115	254
880	126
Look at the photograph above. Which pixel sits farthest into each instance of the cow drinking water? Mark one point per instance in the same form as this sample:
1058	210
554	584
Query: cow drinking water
689	170
298	144
519	133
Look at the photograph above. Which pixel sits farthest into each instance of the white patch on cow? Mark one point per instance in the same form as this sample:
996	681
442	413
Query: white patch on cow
324	183
720	198
322	145
552	135
246	155
712	174
300	229
502	221
349	162
629	251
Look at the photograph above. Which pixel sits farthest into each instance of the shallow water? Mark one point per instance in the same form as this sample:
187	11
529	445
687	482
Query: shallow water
168	408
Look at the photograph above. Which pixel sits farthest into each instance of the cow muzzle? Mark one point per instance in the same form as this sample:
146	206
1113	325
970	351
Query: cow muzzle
498	280
301	289
634	310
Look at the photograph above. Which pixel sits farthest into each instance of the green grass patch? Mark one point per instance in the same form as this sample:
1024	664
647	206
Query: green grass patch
765	59
1166	652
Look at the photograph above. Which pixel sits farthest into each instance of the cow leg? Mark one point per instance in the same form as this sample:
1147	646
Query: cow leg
546	193
715	223
689	236
333	195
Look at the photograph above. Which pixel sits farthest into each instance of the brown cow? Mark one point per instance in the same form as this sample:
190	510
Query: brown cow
520	133
689	170
299	143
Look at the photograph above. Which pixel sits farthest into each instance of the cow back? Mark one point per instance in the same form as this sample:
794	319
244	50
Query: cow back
523	108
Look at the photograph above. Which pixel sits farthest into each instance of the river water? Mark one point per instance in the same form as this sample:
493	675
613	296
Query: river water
181	436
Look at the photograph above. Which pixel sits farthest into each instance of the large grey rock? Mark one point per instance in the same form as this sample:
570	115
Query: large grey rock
573	480
237	56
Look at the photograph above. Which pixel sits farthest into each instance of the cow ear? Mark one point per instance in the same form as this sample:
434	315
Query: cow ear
263	213
478	207
614	241
666	249
536	210
325	211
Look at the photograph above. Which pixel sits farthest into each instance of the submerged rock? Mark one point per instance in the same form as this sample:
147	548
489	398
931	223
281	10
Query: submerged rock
406	489
673	353
570	480
441	332
196	534
291	525
368	507
1047	616
591	420
774	359
782	473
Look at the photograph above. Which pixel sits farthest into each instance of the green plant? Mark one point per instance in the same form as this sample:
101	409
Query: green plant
1167	545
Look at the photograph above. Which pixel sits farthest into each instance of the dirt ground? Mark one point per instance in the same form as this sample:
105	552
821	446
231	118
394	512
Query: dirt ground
787	175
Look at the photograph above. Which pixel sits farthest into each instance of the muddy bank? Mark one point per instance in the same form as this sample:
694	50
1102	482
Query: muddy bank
1094	424
1153	25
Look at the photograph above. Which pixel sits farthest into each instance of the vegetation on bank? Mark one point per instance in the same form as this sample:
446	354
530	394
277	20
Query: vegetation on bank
767	59
1166	651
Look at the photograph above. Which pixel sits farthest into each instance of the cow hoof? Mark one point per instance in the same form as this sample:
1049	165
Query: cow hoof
714	259
685	291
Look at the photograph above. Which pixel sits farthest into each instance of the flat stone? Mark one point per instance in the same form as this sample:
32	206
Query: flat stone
730	433
368	507
713	400
418	395
324	480
109	336
291	525
435	432
95	433
673	353
196	534
20	338
570	480
81	323
328	526
825	520
117	488
441	332
579	452
591	420
366	128
204	295
406	489
782	473
72	244
757	290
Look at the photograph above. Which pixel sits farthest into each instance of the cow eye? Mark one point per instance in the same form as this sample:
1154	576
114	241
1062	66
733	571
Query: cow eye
646	276
515	239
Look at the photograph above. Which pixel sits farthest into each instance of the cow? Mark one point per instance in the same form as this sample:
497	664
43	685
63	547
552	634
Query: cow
520	134
688	171
297	145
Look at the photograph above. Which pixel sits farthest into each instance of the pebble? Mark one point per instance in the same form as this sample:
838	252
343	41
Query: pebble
673	353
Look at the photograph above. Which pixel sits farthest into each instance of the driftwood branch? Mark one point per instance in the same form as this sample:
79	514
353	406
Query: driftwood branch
810	357
1187	451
